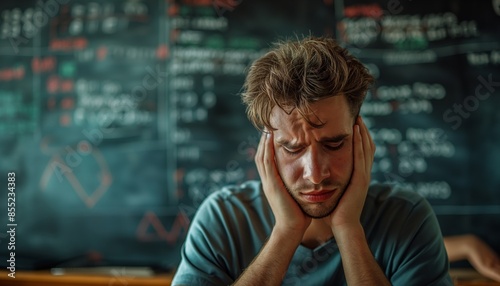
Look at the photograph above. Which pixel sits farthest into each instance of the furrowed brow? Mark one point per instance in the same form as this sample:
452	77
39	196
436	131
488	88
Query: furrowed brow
333	139
288	144
291	145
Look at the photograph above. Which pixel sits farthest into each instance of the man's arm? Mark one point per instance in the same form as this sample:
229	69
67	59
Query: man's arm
271	264
360	267
199	266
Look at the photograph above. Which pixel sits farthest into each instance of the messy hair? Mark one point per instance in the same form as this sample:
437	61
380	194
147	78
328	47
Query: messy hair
296	73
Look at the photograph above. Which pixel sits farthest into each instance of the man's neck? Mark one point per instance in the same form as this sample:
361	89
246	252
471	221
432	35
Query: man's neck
316	234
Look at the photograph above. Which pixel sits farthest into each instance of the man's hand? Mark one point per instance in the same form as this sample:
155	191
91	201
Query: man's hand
290	220
273	260
360	267
348	211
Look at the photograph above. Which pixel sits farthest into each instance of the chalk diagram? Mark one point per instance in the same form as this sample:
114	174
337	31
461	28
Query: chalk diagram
151	221
62	169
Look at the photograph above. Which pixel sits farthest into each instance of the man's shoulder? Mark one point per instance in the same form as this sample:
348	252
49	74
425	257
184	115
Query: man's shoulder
239	209
236	198
384	192
245	192
388	200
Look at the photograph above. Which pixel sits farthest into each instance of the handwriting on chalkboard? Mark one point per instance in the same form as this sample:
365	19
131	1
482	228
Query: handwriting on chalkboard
133	105
401	31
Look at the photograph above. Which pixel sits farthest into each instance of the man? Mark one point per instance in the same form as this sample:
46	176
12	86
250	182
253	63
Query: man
313	219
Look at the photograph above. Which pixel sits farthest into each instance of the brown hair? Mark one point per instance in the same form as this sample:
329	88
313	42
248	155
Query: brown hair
297	73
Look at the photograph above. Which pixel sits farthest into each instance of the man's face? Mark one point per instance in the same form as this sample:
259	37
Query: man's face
315	164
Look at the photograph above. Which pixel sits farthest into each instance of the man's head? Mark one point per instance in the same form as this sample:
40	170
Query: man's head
297	73
309	93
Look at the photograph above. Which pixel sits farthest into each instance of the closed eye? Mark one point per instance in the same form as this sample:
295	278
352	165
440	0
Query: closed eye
292	152
334	146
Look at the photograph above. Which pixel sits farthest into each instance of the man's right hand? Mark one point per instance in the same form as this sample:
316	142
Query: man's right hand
290	219
271	264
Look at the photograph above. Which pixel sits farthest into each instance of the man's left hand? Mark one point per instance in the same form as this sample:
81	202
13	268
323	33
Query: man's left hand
348	211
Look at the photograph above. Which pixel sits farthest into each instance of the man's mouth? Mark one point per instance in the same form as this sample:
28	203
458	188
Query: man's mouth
317	196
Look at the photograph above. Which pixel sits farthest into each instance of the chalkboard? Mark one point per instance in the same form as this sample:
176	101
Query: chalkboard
118	118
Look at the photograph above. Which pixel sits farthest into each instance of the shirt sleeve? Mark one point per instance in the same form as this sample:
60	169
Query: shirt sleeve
421	258
202	256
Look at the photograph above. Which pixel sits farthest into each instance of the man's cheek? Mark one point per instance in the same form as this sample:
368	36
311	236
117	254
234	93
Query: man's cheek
288	168
344	159
279	159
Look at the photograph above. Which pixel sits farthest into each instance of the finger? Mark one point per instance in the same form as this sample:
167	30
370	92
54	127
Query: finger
365	140
370	139
269	156
367	145
365	134
260	147
266	153
359	162
269	165
259	154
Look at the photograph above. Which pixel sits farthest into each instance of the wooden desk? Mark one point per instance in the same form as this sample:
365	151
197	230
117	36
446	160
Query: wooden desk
45	278
461	277
470	277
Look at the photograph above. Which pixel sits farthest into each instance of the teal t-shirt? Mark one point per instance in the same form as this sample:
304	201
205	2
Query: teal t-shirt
232	225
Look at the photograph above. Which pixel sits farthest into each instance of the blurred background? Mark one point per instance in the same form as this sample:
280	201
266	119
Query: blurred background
119	118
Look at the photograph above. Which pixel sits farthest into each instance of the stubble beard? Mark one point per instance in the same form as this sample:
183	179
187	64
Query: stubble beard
323	209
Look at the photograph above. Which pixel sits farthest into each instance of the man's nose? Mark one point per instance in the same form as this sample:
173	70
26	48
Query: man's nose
316	166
